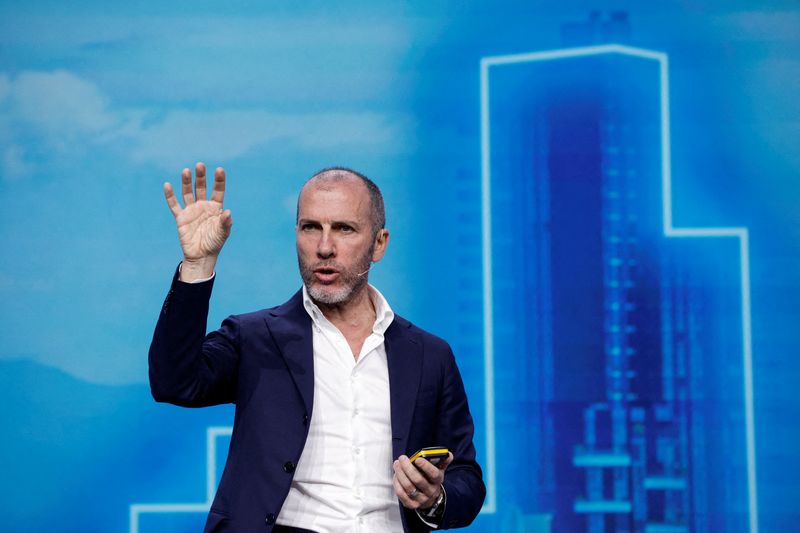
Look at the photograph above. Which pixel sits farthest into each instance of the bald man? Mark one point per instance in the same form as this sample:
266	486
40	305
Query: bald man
333	390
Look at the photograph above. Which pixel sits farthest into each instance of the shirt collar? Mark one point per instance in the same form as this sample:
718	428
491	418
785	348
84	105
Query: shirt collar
383	313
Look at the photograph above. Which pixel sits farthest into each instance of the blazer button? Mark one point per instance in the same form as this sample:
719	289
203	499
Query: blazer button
305	419
270	519
288	467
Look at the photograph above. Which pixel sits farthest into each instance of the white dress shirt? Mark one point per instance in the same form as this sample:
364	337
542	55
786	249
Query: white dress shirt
343	480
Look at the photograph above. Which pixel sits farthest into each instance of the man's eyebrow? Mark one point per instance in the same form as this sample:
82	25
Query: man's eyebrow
346	223
342	222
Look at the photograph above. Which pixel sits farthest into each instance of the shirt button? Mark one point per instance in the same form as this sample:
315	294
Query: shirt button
288	467
355	412
357	451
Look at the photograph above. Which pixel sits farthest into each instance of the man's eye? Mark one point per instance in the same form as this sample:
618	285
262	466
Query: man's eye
345	229
307	227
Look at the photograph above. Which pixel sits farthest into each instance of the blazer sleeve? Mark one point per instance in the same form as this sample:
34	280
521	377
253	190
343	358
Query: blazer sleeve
463	480
186	367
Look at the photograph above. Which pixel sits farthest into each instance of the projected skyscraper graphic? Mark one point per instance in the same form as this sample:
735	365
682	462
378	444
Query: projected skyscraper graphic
620	348
185	516
616	366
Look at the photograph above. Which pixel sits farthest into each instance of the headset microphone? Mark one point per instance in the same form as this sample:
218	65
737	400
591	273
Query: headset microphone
367	270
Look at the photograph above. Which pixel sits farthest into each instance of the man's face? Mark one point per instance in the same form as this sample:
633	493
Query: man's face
335	239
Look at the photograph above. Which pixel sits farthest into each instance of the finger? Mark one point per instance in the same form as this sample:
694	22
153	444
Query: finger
186	187
444	464
227	219
218	193
402	494
415	476
434	475
414	496
427	469
410	495
402	478
172	202
200	182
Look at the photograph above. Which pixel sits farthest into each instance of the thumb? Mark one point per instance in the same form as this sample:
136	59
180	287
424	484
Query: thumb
227	219
444	464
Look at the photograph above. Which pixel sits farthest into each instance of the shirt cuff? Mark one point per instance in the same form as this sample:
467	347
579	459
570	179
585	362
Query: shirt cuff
202	280
433	510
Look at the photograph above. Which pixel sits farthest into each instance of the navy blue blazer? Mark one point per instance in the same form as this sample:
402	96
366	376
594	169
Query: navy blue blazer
263	362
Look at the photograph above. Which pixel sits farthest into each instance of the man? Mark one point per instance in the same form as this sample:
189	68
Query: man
333	391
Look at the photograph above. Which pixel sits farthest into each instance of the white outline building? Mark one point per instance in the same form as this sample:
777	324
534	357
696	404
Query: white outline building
136	510
739	233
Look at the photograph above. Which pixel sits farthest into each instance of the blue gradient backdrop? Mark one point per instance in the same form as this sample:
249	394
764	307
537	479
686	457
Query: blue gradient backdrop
615	398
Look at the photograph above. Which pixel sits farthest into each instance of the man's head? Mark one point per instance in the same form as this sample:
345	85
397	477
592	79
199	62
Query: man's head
340	231
334	174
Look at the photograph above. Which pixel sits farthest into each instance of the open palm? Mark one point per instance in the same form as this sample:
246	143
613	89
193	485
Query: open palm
203	225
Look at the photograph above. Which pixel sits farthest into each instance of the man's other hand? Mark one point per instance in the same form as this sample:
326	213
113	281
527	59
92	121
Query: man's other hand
203	225
418	485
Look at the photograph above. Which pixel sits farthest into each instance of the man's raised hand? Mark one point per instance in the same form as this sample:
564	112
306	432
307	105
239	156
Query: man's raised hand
203	225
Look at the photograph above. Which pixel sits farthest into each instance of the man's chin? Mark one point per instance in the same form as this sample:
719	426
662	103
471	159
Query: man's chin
328	294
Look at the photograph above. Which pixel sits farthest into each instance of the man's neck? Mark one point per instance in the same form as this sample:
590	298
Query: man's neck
356	313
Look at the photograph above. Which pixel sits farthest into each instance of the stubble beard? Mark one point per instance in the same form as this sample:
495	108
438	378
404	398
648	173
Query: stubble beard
350	280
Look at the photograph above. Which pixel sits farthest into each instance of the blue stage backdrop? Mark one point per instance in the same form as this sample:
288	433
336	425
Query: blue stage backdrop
596	205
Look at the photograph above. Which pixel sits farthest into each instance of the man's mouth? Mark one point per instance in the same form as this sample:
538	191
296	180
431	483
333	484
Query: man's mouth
326	274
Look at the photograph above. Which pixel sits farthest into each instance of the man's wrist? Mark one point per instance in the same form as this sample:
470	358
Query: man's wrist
196	270
437	509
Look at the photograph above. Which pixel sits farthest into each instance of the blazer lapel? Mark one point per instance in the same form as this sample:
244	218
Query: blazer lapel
291	328
404	359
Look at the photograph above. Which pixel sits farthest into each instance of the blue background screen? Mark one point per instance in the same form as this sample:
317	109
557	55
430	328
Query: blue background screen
596	205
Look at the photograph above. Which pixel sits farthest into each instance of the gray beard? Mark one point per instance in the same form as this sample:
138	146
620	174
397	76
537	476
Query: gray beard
336	296
351	280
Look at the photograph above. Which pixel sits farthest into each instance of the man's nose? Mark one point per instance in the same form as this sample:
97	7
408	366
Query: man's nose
325	246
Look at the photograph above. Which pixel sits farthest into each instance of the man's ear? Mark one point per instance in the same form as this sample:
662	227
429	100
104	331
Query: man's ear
381	241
